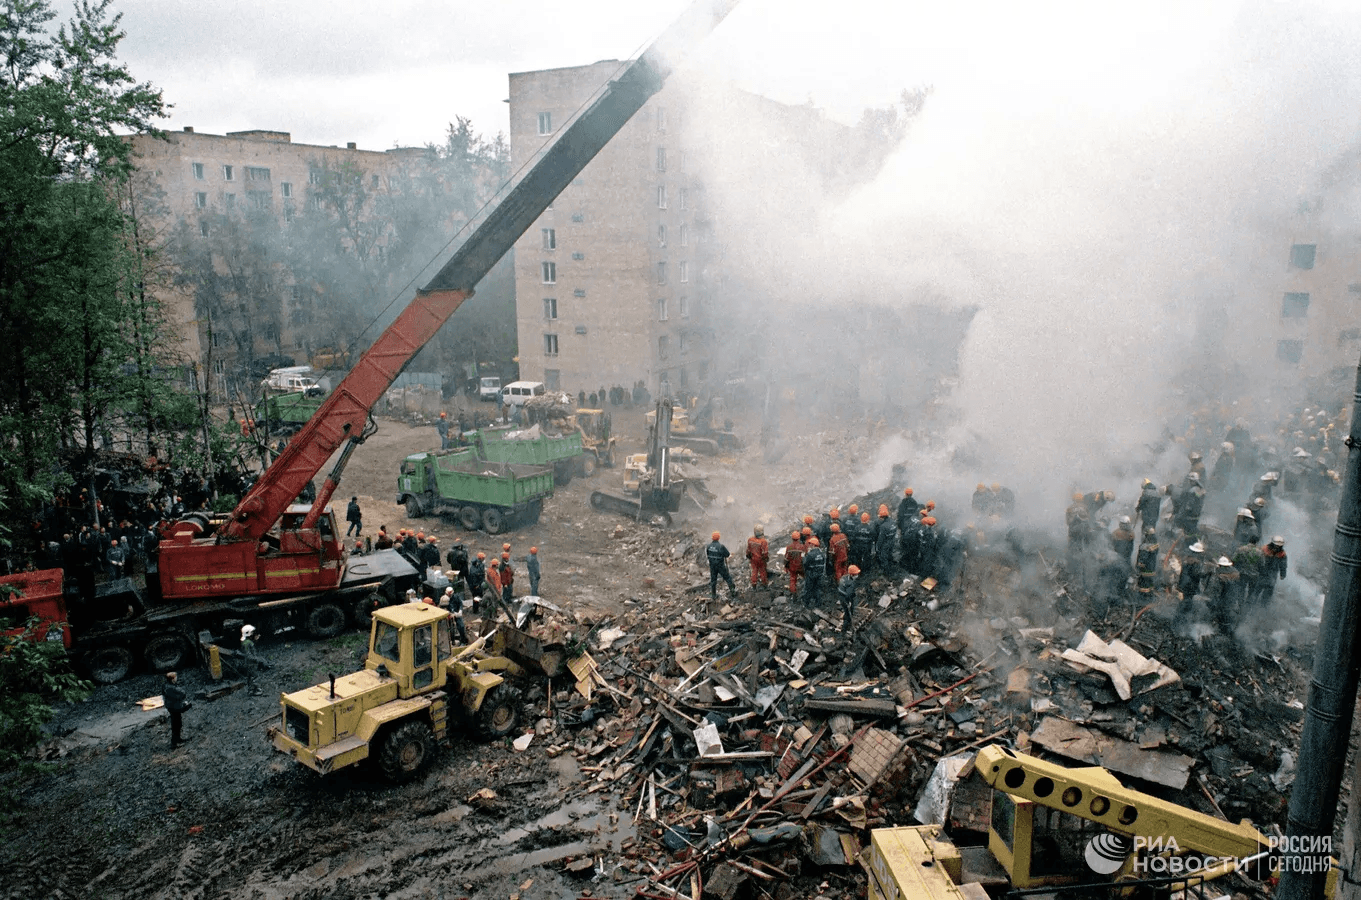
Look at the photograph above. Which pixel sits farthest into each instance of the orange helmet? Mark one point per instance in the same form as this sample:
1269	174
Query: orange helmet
834	513
808	520
930	520
864	517
855	508
814	542
836	529
534	550
495	563
505	546
923	512
794	535
806	531
444	415
715	536
883	509
907	492
854	570
481	555
505	556
434	539
359	545
980	488
930	504
420	535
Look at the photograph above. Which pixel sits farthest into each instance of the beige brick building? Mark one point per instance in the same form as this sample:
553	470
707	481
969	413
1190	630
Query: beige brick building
1315	308
612	283
193	183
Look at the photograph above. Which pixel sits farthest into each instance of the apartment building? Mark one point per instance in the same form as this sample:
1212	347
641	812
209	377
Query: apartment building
1316	306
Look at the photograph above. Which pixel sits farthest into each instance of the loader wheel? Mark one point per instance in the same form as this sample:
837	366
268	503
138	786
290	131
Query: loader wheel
499	713
493	520
325	620
165	652
109	664
587	465
415	509
406	750
469	518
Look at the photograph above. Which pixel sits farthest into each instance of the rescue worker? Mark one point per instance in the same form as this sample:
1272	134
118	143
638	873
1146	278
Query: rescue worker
1079	521
717	555
1192	572
1122	540
1096	500
457	558
927	545
507	579
950	557
1225	594
1264	486
477	574
1249	561
1190	503
1273	569
493	590
1245	530
1259	511
1223	467
453	601
845	590
384	541
907	511
852	516
409	545
1197	466
862	542
887	543
1149	504
429	556
176	702
1004	502
1146	566
358	549
814	567
117	558
793	561
250	659
840	551
442	428
910	543
758	556
532	567
982	500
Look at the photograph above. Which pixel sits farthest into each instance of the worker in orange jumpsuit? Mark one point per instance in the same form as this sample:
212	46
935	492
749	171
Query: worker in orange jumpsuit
793	560
492	591
507	572
758	554
841	552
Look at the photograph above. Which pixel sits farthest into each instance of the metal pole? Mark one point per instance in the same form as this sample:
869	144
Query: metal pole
1332	693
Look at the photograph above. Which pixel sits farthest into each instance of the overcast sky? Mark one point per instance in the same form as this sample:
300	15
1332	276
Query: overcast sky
394	73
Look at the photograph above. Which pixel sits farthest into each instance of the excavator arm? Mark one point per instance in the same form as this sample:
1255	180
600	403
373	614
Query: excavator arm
342	416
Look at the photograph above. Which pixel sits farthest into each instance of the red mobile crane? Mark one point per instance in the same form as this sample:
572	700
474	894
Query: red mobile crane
274	556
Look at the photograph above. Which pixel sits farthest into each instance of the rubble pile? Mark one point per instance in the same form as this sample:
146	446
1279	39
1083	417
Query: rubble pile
754	746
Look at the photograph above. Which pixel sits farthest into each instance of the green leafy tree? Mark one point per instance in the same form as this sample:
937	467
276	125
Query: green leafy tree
34	674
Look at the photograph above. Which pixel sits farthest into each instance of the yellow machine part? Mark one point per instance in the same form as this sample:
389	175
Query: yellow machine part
915	862
215	662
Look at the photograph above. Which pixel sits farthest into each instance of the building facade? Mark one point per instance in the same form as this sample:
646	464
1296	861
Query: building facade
611	283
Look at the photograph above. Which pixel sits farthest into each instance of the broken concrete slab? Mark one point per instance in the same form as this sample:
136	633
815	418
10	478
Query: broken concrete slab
1075	742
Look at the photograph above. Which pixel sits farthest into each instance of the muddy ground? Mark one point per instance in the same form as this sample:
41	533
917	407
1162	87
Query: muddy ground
118	814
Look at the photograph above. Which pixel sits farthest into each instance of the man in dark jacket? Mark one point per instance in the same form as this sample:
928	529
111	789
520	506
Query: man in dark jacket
429	556
845	592
717	554
1149	505
1273	569
176	702
355	517
814	568
907	511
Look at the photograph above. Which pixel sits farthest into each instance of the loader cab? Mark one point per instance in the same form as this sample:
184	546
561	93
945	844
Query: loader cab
410	643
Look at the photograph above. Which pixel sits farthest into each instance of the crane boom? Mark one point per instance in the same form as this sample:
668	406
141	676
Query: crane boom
343	415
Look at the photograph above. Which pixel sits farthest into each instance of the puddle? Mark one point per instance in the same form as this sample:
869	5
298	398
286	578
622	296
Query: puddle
452	814
583	816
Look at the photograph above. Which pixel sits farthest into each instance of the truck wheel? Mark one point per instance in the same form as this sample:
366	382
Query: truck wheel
165	652
562	473
499	713
587	465
406	750
493	520
109	664
415	509
325	620
470	518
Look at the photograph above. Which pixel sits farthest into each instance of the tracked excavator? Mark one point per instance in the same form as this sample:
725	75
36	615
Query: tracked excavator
660	490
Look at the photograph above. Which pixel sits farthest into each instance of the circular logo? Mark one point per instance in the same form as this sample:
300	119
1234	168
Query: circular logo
1107	852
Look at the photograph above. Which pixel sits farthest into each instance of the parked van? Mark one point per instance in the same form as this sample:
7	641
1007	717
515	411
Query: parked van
489	388
517	392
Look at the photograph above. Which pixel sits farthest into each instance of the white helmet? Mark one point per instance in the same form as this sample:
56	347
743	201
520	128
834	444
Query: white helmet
1224	561
247	631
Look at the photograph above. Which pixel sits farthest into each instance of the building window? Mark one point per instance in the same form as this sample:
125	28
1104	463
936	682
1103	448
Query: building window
661	273
545	123
685	235
550	273
661	118
661	310
228	174
576	217
685	307
1295	305
200	200
578	256
203	228
579	292
220	366
314	176
661	196
683	344
1289	351
685	198
259	200
198	170
229	201
286	188
684	375
1302	256
550	238
1354	288
661	159
1348	334
684	272
550	345
271	332
550	307
663	347
295	293
256	173
661	235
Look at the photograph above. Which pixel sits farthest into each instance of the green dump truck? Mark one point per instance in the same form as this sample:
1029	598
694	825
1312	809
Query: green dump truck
455	484
531	447
285	413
